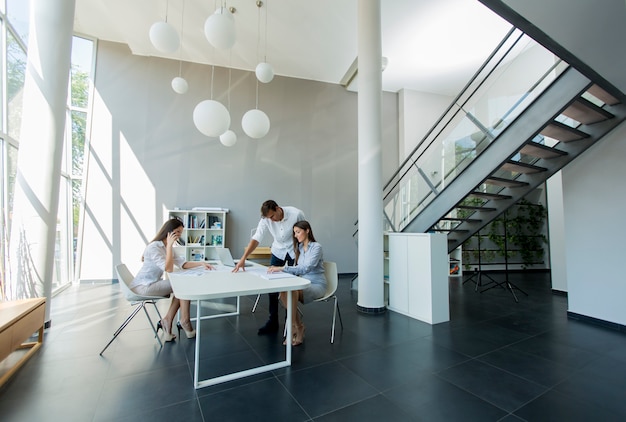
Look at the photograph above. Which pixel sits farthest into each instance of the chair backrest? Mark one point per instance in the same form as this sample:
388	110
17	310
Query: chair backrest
125	278
330	271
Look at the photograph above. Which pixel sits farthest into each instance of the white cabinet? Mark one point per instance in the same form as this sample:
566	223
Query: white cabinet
205	230
418	276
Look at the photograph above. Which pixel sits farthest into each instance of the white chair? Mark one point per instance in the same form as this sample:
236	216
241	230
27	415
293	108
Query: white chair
125	278
332	279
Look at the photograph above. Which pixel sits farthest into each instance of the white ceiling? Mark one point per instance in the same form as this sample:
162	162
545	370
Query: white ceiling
431	45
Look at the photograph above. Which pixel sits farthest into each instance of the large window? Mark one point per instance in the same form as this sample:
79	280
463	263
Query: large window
76	140
14	26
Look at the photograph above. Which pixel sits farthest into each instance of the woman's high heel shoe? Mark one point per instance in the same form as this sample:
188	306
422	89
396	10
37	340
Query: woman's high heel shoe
190	334
298	338
293	335
167	334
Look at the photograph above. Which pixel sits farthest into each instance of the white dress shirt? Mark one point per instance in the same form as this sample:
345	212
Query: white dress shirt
281	231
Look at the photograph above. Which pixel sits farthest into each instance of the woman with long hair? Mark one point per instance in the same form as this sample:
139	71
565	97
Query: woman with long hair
159	257
309	264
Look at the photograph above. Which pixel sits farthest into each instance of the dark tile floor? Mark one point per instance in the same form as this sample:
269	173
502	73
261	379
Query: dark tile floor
496	360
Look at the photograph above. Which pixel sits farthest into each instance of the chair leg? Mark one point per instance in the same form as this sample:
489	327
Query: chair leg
335	311
256	302
150	321
339	312
124	324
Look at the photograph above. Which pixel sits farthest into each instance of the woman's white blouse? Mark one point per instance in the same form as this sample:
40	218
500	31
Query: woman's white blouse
154	264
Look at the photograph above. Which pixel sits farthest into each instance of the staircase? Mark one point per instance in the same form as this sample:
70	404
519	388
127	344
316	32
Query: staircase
464	173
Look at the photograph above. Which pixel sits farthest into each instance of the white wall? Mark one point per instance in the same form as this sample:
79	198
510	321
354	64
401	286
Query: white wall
594	202
592	30
556	226
147	156
418	112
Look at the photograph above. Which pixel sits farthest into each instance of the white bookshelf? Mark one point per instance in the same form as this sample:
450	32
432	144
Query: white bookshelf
205	230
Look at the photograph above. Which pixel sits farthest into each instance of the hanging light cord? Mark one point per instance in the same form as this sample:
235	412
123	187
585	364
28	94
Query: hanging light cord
230	75
258	47
182	36
266	12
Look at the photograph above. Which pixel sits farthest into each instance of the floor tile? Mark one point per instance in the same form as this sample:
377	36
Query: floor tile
430	398
529	367
502	389
555	406
325	388
265	400
377	408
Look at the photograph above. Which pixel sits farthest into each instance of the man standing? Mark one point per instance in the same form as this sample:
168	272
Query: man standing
279	222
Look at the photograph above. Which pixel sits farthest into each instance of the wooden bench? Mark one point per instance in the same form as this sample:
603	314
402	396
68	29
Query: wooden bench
19	319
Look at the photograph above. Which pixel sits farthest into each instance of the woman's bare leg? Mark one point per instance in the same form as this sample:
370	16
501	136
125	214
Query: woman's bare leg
166	322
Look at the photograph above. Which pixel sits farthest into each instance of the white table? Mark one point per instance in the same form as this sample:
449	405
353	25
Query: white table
206	285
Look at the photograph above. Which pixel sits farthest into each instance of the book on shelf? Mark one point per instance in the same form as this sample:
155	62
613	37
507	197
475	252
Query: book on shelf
216	209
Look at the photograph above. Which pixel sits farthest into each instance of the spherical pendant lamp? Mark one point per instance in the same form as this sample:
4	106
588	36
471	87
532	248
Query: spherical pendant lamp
255	123
164	37
264	72
228	138
219	29
211	118
179	85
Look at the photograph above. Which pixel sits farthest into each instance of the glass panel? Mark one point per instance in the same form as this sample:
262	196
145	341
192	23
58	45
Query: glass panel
11	174
79	122
81	82
77	202
62	250
497	98
82	53
17	12
16	71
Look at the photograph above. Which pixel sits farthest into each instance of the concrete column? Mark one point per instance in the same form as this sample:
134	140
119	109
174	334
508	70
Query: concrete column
36	202
371	286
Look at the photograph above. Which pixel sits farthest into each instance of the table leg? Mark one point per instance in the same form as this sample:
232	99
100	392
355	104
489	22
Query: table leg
245	373
196	365
289	326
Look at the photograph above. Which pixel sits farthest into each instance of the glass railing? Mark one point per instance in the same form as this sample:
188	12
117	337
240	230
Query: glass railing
525	159
515	74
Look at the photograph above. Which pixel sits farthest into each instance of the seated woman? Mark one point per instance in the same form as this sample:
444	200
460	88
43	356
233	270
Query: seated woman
310	265
157	258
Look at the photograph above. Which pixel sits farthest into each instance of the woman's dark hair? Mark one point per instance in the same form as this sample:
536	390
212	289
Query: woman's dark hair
304	225
169	226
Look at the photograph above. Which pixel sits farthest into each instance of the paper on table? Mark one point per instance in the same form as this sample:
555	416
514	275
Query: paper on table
262	272
194	271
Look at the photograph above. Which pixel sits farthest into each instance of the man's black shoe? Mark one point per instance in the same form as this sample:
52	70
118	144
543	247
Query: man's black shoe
270	327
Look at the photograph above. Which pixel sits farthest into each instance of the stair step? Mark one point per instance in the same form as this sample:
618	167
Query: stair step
451	230
562	132
475	208
467	220
487	195
586	112
520	167
602	95
541	151
507	183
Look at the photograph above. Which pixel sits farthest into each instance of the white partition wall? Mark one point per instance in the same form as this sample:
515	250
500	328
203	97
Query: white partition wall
418	276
